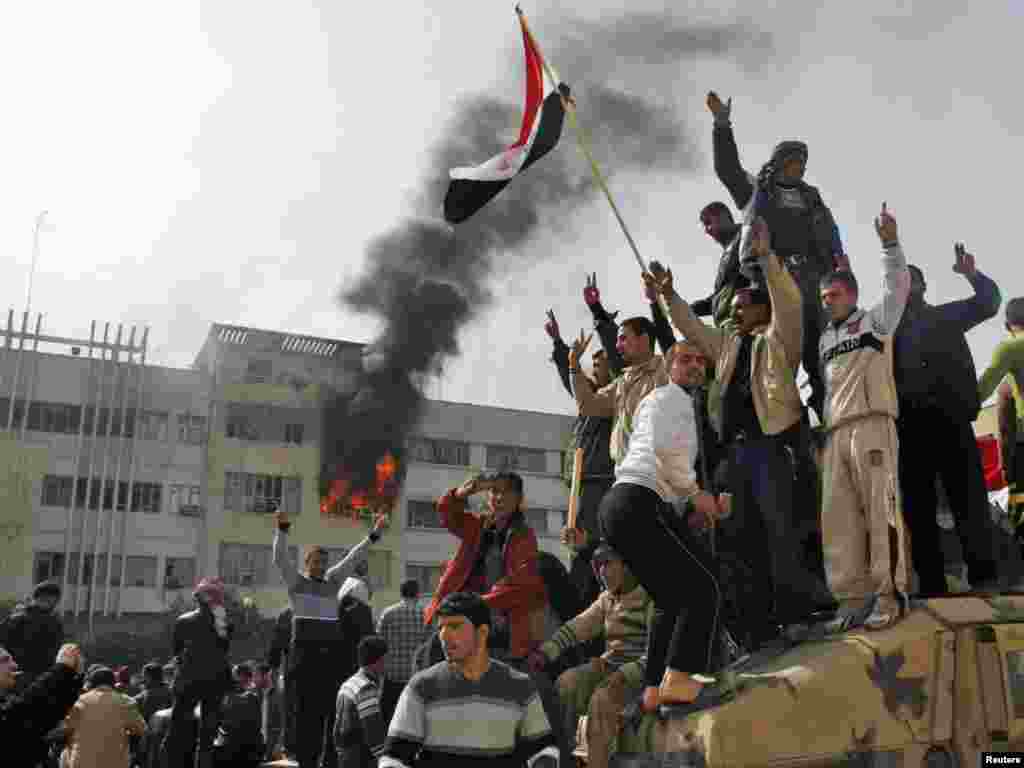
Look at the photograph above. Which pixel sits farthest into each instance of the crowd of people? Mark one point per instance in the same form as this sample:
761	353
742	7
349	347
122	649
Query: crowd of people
720	512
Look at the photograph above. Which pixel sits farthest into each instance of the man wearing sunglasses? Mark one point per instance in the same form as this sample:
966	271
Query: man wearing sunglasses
759	422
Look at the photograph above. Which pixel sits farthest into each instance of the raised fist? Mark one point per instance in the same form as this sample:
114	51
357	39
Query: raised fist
70	655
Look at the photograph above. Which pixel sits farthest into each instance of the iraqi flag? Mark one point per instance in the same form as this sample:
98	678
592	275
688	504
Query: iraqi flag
472	188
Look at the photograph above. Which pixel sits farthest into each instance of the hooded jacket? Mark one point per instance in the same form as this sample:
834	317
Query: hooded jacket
355	621
773	359
520	593
33	636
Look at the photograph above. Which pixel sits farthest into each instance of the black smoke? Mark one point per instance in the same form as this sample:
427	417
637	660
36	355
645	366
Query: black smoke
426	280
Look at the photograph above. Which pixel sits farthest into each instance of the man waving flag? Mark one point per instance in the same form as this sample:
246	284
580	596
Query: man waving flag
543	114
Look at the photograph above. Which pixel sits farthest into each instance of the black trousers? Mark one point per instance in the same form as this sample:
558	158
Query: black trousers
933	445
763	475
180	744
389	696
678	574
315	695
581	570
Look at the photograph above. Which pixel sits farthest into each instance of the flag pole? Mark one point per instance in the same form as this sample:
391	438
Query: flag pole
569	105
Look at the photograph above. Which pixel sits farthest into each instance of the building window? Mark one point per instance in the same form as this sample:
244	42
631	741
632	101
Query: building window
259	372
179	572
57	491
140	571
97	575
509	457
293	433
379	568
185	499
262	494
250	565
240	424
153	425
48	566
432	451
427	575
147	497
422	514
538	520
191	428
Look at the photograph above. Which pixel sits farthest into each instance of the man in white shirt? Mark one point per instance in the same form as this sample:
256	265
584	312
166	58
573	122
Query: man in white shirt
638	522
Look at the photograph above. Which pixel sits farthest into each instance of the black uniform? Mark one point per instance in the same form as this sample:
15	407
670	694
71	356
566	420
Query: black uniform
803	232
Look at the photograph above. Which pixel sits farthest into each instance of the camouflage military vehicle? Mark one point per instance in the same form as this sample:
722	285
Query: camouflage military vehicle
937	689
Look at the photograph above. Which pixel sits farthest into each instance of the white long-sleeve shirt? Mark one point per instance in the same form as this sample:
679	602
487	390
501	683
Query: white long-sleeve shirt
663	445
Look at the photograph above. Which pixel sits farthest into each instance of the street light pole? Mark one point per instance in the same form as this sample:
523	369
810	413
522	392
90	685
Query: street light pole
35	258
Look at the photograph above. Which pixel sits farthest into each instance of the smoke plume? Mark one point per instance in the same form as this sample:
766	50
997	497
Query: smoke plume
427	281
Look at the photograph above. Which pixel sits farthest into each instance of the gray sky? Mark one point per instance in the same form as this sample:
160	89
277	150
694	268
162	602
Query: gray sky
229	161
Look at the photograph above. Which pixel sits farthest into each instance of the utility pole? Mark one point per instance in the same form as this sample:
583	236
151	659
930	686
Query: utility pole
40	223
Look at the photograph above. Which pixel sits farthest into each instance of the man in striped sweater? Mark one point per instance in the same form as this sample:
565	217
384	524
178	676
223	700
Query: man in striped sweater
602	687
470	710
359	725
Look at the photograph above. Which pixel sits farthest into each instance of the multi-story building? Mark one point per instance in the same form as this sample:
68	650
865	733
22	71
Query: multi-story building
169	474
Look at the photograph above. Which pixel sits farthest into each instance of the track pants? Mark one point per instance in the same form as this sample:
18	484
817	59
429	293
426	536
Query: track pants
861	501
678	574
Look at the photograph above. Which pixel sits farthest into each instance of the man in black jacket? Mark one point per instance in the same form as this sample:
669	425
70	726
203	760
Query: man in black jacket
591	434
938	399
720	226
804	234
26	718
280	643
201	641
33	634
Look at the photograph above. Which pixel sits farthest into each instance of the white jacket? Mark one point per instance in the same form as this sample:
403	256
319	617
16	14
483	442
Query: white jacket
856	354
663	446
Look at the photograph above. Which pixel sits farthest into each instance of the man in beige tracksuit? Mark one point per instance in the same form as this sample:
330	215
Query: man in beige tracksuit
861	490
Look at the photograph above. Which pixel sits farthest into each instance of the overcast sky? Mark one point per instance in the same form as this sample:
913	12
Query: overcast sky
229	161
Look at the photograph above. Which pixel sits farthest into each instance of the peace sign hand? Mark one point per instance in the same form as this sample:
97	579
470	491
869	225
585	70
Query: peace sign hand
551	326
579	346
590	293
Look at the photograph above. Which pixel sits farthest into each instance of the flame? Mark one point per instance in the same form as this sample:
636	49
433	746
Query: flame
341	497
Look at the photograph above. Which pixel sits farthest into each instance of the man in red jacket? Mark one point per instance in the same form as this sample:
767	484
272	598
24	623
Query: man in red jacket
498	560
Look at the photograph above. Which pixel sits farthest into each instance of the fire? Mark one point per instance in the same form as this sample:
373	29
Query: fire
342	498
